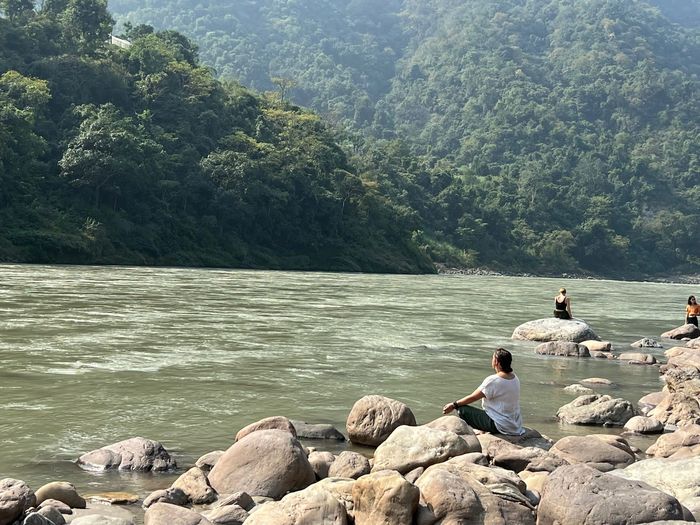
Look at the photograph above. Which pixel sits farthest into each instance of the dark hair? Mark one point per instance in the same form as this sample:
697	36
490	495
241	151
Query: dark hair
691	297
504	359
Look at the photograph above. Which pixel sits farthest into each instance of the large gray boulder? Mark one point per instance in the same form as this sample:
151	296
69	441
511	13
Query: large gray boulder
166	514
373	418
384	497
227	515
599	452
686	437
532	459
679	478
321	461
268	423
15	498
552	329
458	491
677	409
581	495
637	357
137	453
646	342
411	447
265	463
687	330
644	425
683	379
454	423
596	409
195	485
562	349
313	505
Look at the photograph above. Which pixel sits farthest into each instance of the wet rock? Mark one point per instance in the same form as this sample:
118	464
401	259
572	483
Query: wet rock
596	410
195	485
113	498
173	496
274	422
644	425
137	453
15	498
578	390
562	349
677	409
373	418
594	451
349	464
646	342
266	463
61	491
579	494
687	330
551	329
384	497
597	381
317	431
597	346
638	357
166	514
411	447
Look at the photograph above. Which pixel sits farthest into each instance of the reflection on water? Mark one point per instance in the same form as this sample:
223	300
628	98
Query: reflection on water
94	355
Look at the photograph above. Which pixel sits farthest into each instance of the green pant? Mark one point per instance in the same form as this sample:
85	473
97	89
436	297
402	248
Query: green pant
477	418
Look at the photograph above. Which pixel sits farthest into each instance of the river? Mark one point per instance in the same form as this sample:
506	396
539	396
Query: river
93	355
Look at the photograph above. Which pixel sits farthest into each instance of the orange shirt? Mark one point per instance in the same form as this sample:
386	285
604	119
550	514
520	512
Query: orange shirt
693	310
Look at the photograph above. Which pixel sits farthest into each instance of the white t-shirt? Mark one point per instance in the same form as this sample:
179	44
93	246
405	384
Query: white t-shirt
502	403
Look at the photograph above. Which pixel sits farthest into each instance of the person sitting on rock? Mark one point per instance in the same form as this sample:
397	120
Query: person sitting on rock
500	395
692	311
562	305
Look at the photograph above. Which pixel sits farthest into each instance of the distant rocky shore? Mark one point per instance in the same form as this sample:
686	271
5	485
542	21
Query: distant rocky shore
443	269
438	472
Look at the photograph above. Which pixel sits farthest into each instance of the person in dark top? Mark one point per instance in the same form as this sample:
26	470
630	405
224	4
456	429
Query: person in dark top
562	305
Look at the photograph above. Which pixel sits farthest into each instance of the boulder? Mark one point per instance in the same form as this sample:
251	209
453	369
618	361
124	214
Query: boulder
596	410
411	447
534	481
317	431
644	425
637	357
53	515
58	505
373	418
686	380
241	499
166	514
384	497
195	485
528	458
552	329
693	343
349	464
687	436
597	381
137	453
595	451
581	495
597	346
647	403
173	496
677	409
679	478
460	492
457	425
687	330
578	390
266	463
100	514
321	462
61	491
34	518
492	445
313	505
15	498
562	349
681	357
208	460
646	342
227	515
340	489
269	423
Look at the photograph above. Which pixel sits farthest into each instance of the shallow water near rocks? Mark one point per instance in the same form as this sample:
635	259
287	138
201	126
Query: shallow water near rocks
93	355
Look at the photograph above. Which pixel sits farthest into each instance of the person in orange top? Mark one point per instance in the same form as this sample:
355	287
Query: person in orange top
692	311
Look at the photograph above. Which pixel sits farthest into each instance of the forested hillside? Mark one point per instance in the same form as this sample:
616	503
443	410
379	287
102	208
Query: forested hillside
140	156
540	135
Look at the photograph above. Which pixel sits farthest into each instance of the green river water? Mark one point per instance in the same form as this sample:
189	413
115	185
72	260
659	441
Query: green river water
93	355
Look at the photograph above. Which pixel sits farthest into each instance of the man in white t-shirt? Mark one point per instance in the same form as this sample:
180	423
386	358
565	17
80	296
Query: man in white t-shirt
500	395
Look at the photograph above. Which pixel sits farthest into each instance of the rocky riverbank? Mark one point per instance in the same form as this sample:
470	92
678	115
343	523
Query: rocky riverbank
279	472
